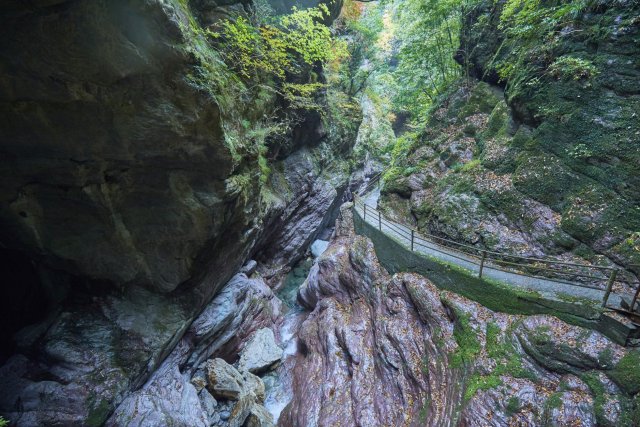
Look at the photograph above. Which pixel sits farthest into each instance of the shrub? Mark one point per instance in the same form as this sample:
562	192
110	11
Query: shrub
572	68
289	46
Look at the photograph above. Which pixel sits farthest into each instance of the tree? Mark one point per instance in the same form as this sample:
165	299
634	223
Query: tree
281	52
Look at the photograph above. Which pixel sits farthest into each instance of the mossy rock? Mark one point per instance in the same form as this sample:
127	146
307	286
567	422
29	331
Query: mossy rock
544	178
594	211
483	99
626	373
498	123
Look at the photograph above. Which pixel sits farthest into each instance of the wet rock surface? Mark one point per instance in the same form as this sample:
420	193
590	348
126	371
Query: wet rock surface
195	386
260	353
122	193
394	350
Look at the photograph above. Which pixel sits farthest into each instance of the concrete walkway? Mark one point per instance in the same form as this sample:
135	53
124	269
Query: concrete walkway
548	288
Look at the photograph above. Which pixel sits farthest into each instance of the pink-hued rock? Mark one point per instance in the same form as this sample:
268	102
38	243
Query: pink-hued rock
381	350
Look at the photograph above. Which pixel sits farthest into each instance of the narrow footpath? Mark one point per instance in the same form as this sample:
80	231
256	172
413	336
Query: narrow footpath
548	288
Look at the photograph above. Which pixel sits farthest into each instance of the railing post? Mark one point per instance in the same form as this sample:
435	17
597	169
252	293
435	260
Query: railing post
365	212
379	221
612	279
412	237
484	257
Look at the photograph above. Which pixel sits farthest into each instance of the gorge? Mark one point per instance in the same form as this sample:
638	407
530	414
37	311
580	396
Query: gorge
180	245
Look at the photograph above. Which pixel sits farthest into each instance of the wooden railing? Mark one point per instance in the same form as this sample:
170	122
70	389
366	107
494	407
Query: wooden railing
583	275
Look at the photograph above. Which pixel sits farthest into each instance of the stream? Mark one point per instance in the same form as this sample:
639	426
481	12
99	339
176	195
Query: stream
278	382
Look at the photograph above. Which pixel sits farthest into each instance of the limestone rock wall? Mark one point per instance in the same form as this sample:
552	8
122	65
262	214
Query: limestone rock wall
125	196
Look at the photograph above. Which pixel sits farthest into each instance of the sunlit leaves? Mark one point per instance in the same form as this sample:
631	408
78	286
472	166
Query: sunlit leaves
290	46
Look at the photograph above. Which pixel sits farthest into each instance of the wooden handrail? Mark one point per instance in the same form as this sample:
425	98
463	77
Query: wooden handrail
429	237
485	257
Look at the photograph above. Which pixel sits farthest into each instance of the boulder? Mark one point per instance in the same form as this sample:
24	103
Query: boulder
209	405
318	247
259	417
245	389
261	353
253	385
249	268
225	381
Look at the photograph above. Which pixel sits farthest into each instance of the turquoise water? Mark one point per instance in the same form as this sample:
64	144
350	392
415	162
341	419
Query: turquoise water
278	383
292	282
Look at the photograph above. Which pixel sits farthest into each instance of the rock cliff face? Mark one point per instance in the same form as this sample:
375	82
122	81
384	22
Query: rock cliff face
127	200
545	160
382	350
176	394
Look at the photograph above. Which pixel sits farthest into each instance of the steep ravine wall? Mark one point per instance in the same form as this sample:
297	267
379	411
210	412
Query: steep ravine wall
124	199
544	160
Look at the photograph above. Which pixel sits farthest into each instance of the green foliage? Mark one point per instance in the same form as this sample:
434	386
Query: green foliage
429	38
533	29
3	422
293	41
288	47
470	166
306	35
571	68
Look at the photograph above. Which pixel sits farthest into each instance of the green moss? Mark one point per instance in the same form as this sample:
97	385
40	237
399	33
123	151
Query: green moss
554	401
576	300
545	178
483	99
629	248
481	382
467	340
508	358
630	410
498	121
627	372
461	184
423	415
599	395
99	410
605	358
509	203
513	405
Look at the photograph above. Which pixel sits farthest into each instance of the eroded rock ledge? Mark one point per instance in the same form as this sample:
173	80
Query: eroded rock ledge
394	350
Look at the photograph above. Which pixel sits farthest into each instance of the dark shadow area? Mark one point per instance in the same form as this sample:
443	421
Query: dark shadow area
23	300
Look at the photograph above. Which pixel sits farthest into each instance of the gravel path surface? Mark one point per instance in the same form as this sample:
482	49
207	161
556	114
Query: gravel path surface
547	287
